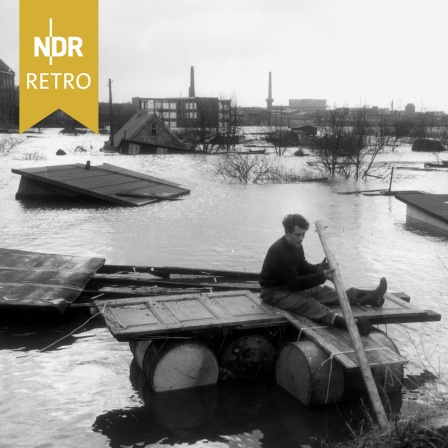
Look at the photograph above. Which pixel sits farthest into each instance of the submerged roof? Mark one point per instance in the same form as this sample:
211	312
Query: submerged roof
435	205
32	280
107	182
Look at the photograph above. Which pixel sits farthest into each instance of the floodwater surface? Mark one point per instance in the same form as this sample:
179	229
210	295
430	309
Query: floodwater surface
85	390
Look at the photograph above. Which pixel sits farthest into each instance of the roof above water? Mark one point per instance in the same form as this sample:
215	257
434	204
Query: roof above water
32	280
435	205
107	182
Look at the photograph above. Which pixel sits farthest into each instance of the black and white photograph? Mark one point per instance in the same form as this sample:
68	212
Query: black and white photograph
251	252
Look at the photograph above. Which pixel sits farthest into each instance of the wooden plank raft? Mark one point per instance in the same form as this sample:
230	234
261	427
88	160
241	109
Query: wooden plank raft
131	318
32	280
106	182
128	319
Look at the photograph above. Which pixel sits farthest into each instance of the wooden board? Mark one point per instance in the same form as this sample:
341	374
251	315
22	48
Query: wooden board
138	316
337	342
129	318
101	182
32	280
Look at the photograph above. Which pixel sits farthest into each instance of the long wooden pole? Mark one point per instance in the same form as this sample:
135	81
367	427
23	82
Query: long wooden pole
354	333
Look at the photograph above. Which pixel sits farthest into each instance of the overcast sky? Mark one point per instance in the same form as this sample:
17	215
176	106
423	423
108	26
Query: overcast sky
349	52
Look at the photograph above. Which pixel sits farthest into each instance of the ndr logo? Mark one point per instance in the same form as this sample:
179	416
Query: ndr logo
57	46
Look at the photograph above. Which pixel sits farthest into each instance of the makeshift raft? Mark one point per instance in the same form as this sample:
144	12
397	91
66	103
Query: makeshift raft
193	327
233	334
105	182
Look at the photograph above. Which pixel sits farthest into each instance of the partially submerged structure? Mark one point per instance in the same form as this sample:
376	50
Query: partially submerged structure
427	145
106	182
431	209
296	137
32	281
146	133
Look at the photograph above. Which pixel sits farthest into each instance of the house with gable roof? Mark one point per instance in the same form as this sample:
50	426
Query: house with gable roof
147	134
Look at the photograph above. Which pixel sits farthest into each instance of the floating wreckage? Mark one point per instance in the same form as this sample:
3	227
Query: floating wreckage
104	182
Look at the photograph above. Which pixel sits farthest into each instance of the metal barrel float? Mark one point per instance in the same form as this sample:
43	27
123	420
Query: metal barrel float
247	356
302	371
175	364
306	371
387	378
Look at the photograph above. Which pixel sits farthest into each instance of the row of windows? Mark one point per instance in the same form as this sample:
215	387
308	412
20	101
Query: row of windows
6	82
7	97
6	110
173	115
155	105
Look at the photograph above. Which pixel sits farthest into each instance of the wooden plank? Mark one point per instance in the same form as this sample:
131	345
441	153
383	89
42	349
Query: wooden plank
162	271
230	309
162	313
185	312
355	337
393	298
189	310
336	342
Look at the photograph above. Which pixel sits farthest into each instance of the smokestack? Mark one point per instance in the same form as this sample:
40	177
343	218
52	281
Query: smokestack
191	92
269	100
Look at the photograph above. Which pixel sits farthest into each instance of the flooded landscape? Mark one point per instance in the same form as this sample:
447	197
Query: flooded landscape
86	390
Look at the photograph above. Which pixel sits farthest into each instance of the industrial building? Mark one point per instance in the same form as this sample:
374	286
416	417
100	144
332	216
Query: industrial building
8	96
191	111
308	105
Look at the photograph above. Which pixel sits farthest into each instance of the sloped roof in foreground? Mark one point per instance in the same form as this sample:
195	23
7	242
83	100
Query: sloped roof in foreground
106	182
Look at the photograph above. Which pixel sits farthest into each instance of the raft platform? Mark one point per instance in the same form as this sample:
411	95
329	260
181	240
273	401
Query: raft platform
106	182
191	340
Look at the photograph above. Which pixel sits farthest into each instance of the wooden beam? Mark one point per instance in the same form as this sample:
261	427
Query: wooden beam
354	334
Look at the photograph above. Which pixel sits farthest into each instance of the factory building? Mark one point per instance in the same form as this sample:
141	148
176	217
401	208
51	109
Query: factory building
191	111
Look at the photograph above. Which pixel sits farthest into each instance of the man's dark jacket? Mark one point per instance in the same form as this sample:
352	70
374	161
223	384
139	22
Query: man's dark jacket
285	266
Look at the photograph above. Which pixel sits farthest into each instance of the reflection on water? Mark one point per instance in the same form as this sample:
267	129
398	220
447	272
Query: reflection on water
54	398
242	413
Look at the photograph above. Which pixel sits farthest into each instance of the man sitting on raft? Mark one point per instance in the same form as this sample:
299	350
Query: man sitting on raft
289	282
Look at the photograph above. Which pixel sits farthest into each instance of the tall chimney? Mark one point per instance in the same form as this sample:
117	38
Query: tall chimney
191	92
269	100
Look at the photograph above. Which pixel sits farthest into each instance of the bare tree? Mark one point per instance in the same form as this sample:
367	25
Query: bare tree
348	143
366	141
331	143
276	131
8	142
401	125
257	168
229	130
424	123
